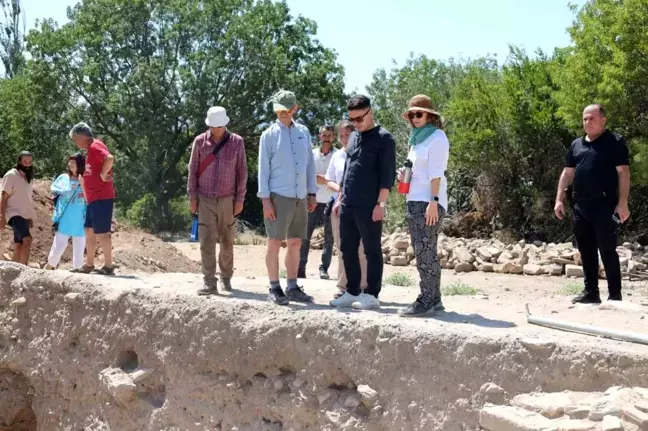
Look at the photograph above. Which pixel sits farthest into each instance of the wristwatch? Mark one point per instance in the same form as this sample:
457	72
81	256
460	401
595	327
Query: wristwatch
311	195
381	204
435	198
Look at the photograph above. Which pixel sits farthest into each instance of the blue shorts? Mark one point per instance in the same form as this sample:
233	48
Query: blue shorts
20	228
99	216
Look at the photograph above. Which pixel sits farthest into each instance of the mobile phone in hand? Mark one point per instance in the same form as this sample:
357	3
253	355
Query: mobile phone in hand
616	218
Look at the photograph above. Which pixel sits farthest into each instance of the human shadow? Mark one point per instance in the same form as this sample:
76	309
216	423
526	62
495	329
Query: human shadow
472	319
263	297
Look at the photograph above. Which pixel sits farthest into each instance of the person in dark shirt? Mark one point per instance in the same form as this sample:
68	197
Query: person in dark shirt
597	164
369	174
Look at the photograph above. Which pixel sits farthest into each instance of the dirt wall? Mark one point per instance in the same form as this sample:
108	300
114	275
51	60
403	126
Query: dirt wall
74	355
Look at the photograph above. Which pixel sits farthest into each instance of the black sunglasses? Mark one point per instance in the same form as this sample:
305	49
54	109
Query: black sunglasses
359	119
418	114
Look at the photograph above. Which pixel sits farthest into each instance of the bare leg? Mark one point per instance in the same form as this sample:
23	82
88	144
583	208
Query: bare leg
91	246
25	249
292	257
272	259
106	245
16	253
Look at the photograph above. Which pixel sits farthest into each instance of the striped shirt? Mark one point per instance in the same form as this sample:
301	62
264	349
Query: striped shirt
226	176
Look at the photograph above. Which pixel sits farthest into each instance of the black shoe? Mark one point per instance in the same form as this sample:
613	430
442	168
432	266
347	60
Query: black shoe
615	297
416	310
298	295
301	273
277	296
587	298
208	290
323	274
438	305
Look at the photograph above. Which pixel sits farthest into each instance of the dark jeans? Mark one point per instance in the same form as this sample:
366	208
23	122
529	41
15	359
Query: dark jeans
356	224
595	231
316	218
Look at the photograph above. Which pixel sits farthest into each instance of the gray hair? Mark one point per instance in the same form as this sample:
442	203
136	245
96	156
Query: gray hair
81	129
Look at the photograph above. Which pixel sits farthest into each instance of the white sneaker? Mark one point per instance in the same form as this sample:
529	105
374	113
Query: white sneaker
366	302
345	300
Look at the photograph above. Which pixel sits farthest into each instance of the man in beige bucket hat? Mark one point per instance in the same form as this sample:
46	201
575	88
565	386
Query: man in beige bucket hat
216	186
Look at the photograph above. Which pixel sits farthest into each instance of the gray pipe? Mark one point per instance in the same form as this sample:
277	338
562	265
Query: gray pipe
632	337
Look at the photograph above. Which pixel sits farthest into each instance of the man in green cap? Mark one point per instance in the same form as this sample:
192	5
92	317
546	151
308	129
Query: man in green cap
287	187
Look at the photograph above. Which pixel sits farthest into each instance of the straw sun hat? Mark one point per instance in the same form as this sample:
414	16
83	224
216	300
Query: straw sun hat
422	103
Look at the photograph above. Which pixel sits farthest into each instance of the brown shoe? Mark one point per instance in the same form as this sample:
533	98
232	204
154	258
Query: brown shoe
226	284
208	290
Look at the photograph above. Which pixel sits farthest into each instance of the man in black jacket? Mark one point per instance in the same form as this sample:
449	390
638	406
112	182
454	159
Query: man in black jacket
597	163
369	174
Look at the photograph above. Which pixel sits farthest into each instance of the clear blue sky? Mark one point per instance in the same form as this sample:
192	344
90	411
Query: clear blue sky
369	34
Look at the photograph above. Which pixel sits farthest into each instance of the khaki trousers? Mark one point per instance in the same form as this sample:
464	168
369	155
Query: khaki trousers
216	225
342	280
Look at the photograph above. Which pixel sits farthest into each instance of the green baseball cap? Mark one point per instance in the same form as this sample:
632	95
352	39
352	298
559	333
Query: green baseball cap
284	100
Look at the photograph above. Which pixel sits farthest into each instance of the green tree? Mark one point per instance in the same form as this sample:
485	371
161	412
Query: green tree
144	73
607	63
12	31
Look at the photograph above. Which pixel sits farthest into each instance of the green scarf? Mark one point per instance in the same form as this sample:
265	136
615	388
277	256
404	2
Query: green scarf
420	134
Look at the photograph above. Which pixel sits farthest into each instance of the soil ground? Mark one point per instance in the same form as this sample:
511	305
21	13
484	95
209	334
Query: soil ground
134	250
498	307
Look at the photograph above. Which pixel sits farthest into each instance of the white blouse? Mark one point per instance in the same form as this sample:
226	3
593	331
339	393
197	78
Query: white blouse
430	160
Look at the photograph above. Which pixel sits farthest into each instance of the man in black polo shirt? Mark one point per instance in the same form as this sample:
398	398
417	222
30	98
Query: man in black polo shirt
369	174
598	165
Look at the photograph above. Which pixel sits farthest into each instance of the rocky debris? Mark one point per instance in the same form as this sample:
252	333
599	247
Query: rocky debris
616	409
119	385
492	255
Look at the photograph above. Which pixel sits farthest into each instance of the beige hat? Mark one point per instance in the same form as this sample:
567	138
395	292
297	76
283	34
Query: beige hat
423	103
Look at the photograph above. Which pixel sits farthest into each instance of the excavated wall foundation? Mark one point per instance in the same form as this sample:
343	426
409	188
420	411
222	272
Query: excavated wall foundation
74	355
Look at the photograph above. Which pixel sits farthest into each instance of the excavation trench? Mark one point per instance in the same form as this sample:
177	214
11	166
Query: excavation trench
112	354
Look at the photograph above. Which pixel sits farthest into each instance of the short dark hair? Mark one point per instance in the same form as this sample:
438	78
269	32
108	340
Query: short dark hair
327	127
345	124
359	101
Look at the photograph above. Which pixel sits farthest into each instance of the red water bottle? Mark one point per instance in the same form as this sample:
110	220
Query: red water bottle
404	185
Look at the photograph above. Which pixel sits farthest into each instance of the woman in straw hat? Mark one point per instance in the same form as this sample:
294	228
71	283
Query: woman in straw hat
427	199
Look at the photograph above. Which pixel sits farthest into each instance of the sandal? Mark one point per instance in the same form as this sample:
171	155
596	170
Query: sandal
83	270
106	270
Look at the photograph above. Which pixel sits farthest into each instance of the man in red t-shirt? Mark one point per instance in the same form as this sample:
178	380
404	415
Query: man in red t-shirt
99	191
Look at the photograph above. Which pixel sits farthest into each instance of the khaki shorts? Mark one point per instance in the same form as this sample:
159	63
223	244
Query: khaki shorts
291	218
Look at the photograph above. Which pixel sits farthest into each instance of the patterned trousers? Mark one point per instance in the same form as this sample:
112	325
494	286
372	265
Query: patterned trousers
424	241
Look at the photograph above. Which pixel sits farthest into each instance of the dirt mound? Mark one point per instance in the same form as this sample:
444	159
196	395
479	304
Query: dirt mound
134	249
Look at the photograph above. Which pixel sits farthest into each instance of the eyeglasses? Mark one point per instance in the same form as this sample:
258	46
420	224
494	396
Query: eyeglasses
412	115
359	119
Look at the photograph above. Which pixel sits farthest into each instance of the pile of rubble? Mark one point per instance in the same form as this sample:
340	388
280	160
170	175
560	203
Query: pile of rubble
492	255
538	258
617	409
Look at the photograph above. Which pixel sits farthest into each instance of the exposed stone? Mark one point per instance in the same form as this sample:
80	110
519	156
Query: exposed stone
556	269
516	269
368	395
398	261
642	406
636	417
402	244
577	412
573	271
119	385
532	269
463	255
611	423
575	425
464	267
19	302
487	267
507	418
548	405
